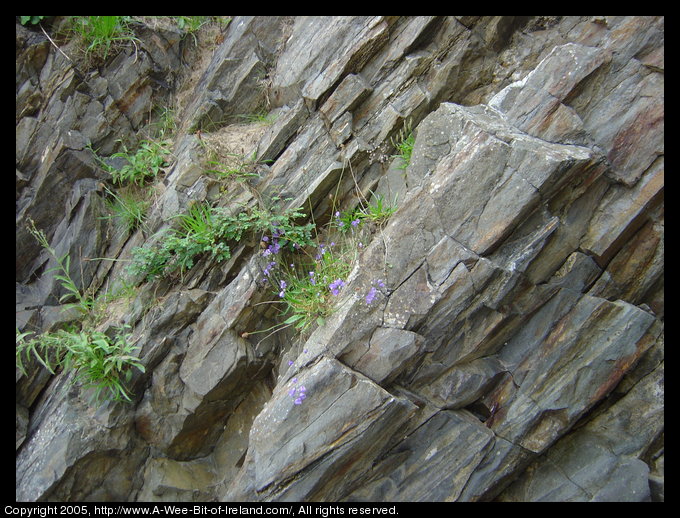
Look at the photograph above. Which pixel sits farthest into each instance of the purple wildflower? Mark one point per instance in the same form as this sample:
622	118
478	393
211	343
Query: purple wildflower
298	393
336	285
371	295
355	223
282	284
312	280
268	268
322	251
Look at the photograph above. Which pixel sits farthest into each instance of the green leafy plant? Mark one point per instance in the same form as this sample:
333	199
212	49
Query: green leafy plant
376	210
142	165
191	24
31	19
84	303
167	123
205	229
310	288
100	362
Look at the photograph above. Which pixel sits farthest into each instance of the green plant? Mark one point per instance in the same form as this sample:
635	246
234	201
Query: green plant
190	24
31	19
84	303
377	210
205	229
310	287
404	145
99	362
167	124
224	171
145	163
199	219
100	32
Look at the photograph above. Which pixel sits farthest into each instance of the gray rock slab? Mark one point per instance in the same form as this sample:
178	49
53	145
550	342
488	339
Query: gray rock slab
316	448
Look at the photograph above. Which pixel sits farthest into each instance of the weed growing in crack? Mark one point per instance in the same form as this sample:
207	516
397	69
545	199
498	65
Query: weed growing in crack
128	208
404	145
99	33
240	168
309	281
83	302
206	230
99	361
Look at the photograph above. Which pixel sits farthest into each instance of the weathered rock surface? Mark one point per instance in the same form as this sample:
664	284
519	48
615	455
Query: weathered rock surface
516	349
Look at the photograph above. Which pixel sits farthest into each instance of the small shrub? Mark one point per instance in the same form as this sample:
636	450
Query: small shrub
377	210
308	281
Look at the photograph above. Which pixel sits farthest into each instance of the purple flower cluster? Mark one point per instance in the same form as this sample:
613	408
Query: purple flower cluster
371	295
340	223
273	248
373	292
282	285
335	286
297	393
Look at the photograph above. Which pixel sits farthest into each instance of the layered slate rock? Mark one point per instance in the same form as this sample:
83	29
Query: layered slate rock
514	350
309	451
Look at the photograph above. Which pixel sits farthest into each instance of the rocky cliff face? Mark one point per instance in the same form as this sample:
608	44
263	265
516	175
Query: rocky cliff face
513	348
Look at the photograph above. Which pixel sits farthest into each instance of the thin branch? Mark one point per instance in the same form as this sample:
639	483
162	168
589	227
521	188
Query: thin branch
55	45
